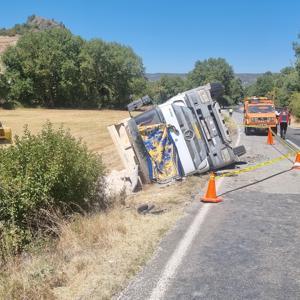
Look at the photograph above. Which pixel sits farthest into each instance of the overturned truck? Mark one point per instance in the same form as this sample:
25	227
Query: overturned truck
183	136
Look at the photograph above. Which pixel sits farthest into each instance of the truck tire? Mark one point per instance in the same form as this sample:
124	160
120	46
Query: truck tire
246	130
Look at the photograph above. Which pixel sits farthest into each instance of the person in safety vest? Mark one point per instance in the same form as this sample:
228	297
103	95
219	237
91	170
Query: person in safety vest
230	111
284	121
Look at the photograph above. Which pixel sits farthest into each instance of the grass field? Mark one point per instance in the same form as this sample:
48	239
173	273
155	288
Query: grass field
90	125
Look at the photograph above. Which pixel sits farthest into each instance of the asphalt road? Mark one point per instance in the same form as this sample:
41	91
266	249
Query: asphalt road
293	135
250	250
247	247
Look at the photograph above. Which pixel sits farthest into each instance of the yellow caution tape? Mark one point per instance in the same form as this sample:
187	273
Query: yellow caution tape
264	163
257	166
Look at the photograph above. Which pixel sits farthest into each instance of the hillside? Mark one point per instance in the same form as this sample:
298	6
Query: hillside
33	23
157	76
248	78
10	36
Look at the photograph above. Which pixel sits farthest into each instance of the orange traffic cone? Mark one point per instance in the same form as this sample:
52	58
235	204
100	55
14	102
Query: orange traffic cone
211	194
270	137
297	162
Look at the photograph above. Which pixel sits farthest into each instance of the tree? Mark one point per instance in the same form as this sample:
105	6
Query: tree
236	91
217	70
286	84
296	47
165	88
125	69
110	73
295	104
54	68
210	70
43	68
265	84
278	86
283	87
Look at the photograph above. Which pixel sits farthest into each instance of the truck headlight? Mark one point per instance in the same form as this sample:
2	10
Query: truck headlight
253	119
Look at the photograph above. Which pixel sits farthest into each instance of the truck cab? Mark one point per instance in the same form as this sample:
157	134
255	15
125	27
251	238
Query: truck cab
201	136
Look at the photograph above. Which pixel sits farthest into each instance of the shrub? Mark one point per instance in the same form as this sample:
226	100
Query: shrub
9	105
50	170
295	105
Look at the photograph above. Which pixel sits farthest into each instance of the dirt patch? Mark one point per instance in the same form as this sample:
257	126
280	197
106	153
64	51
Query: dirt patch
255	158
6	41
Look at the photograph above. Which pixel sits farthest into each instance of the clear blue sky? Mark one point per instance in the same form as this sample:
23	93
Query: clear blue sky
170	35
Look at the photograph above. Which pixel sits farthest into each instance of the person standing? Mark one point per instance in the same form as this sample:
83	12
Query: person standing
284	121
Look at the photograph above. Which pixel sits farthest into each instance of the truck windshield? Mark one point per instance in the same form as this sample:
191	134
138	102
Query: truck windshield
261	109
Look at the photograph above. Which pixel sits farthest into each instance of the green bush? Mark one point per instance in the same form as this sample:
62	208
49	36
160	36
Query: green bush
48	171
295	105
9	105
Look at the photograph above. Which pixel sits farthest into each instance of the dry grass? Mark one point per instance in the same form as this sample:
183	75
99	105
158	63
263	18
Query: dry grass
95	256
90	125
6	41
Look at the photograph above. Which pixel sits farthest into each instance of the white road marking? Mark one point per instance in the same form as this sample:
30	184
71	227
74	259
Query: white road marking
179	253
289	141
297	147
183	246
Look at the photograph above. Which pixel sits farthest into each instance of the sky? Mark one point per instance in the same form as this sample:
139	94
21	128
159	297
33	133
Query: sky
171	35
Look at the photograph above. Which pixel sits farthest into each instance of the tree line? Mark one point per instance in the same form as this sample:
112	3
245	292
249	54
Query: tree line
54	68
208	70
283	87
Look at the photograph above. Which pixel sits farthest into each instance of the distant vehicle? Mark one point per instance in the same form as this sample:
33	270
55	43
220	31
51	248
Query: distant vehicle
259	114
